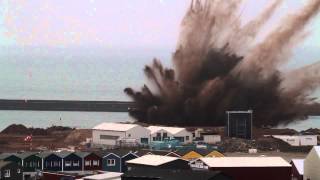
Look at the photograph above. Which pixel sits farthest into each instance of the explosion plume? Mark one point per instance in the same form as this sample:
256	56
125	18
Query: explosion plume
219	66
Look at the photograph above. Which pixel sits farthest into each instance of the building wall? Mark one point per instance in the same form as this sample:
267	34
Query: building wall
308	140
211	139
52	158
14	175
253	173
126	158
295	174
93	157
107	167
138	132
311	166
162	131
96	140
305	140
15	159
73	159
32	163
182	133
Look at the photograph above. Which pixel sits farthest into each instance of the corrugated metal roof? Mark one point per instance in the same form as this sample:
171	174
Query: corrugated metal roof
172	130
115	126
152	160
246	162
299	164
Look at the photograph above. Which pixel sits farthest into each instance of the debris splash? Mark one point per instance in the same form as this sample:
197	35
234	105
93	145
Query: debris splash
219	66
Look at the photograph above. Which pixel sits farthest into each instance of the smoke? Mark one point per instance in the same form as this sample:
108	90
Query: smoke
219	66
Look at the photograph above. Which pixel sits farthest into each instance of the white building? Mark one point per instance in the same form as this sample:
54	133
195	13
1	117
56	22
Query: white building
238	162
158	133
211	138
104	176
312	164
303	140
111	134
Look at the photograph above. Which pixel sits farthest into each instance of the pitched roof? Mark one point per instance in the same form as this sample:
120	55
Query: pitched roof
152	160
299	164
114	126
6	155
118	152
4	163
25	154
82	154
172	130
168	174
317	149
215	153
245	162
143	152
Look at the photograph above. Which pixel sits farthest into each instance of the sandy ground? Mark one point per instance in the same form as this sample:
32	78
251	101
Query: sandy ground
285	155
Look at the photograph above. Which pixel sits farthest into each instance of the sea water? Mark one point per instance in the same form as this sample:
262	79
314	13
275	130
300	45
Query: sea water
81	73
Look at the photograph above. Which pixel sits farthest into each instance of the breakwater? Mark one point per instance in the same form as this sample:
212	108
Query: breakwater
66	105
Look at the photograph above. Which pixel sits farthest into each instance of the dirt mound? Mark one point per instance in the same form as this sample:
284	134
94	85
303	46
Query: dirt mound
311	131
19	129
77	136
262	144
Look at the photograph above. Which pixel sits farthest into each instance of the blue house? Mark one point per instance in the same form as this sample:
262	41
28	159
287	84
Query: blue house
126	158
52	161
72	162
114	161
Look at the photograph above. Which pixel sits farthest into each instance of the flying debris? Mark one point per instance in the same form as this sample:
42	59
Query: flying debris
219	66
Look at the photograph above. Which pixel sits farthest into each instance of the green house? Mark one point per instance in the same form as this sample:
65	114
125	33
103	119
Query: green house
31	161
12	157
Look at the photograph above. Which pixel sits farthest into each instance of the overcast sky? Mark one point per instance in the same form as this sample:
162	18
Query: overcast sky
112	23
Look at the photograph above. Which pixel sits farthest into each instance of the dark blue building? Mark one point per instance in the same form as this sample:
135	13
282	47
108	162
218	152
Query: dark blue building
52	161
115	160
72	162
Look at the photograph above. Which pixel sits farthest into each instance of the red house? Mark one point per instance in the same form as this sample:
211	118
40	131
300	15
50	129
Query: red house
91	161
247	168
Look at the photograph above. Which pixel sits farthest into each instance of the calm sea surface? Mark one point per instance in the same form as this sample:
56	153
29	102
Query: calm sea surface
77	74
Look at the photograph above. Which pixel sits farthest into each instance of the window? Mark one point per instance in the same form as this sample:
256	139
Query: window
129	135
7	173
95	162
187	138
87	163
111	162
109	137
18	171
68	163
76	163
158	134
56	163
165	135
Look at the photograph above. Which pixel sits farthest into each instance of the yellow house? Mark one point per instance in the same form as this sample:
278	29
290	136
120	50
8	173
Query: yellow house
215	154
191	156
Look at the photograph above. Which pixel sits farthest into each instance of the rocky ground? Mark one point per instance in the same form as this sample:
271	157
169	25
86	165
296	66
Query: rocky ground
12	138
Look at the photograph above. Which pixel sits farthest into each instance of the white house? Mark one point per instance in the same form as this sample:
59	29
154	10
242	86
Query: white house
159	133
110	134
303	140
312	164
